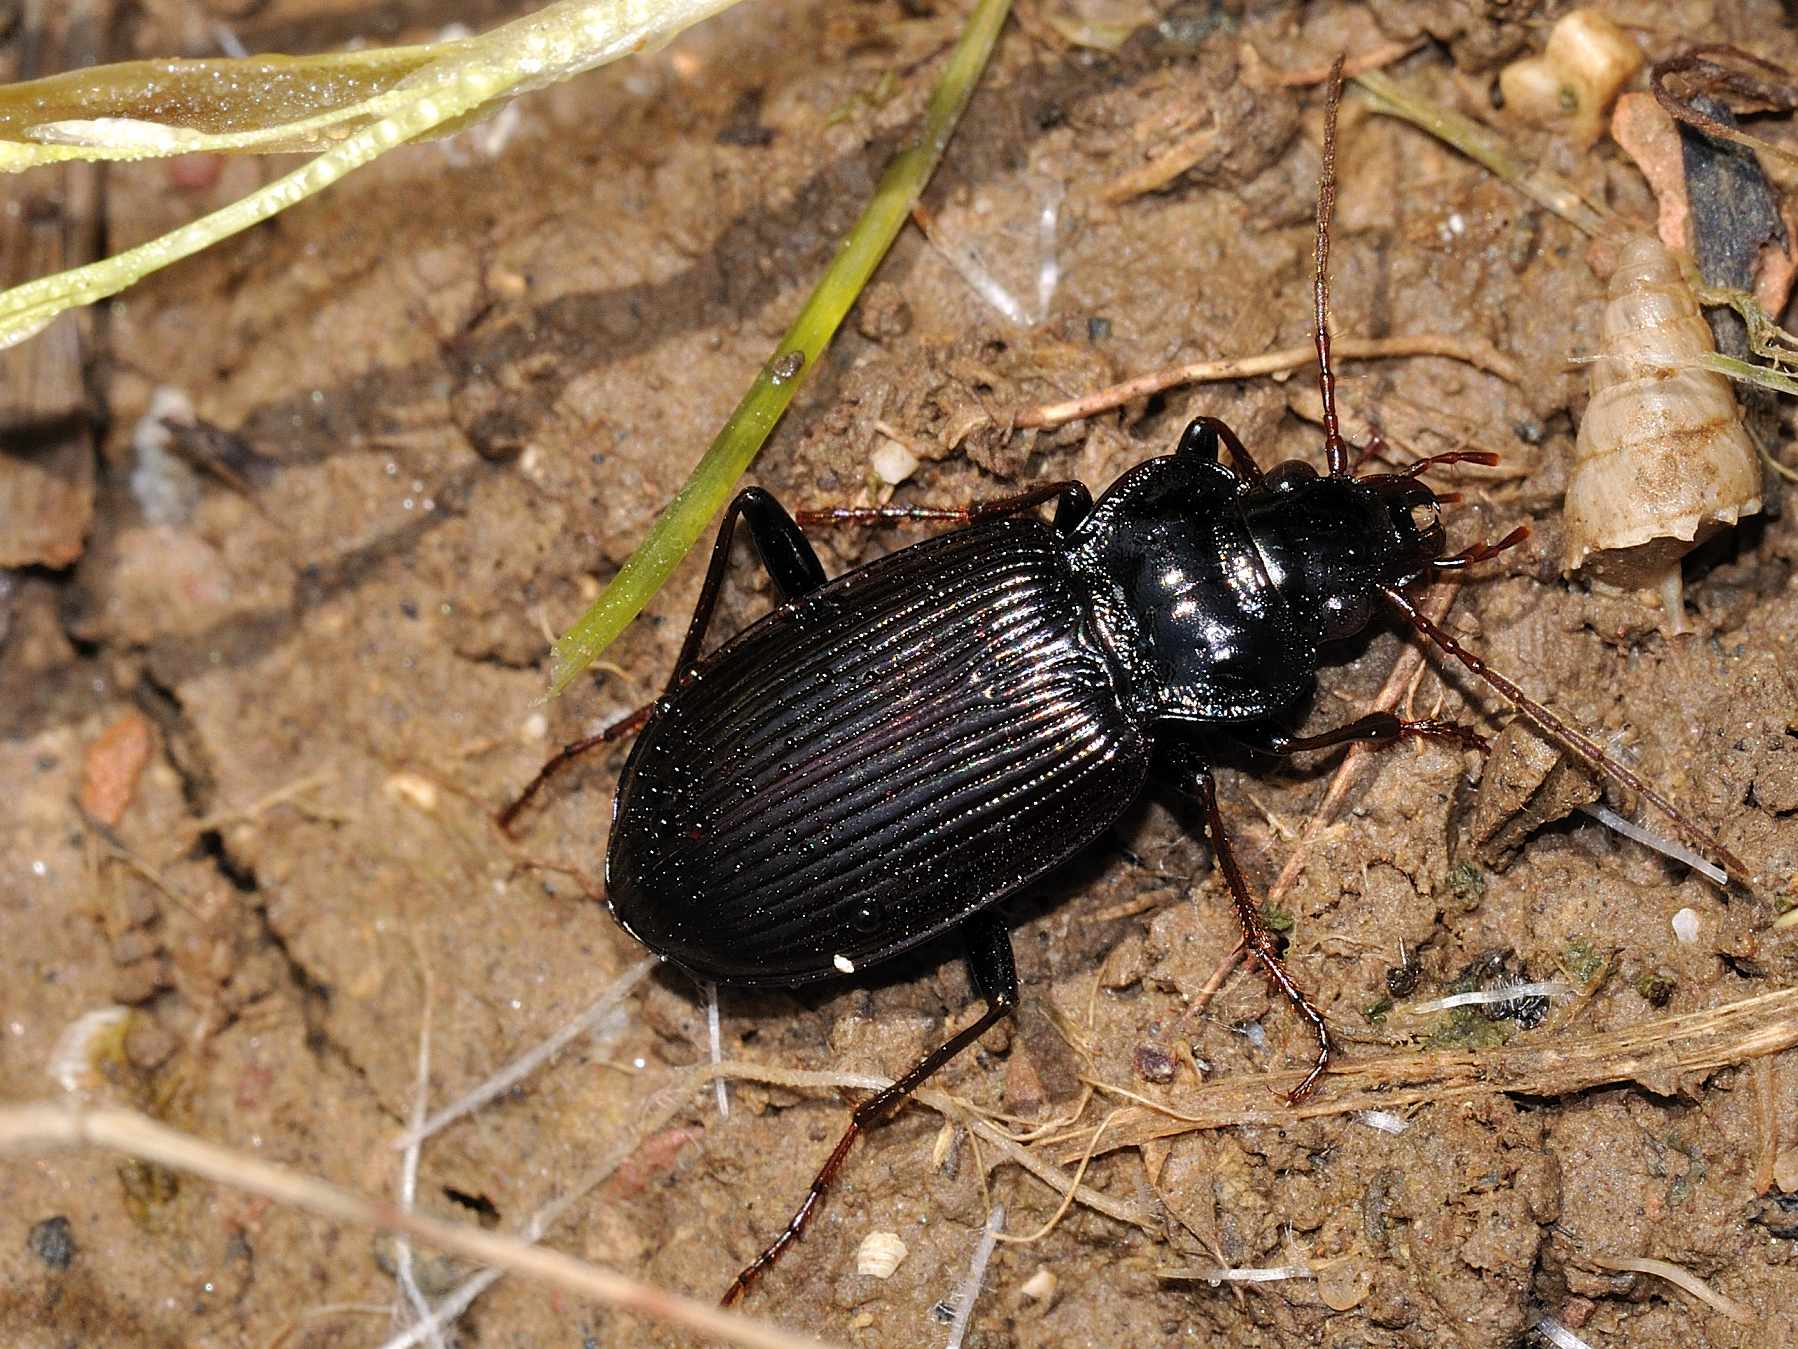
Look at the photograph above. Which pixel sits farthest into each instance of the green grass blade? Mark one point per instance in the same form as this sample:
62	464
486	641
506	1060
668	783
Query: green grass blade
685	518
1749	373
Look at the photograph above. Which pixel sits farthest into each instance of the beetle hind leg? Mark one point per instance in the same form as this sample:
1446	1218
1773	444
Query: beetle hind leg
996	977
791	564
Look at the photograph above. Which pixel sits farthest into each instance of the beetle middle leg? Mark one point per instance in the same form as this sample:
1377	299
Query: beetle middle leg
1195	780
1200	440
787	556
995	975
1072	503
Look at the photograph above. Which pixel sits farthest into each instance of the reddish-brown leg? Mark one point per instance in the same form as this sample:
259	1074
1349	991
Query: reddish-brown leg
1376	730
789	560
1072	500
618	730
996	976
1195	781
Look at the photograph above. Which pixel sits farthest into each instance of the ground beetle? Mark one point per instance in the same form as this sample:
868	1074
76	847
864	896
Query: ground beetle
888	755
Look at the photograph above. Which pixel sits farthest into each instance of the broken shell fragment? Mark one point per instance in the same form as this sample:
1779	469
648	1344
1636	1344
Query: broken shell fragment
879	1254
1662	460
1584	67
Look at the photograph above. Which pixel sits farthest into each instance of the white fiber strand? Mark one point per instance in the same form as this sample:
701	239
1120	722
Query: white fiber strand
527	1063
1665	846
716	1038
1485	997
969	1292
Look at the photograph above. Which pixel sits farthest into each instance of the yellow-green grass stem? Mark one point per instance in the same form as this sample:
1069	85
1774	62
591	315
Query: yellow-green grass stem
685	518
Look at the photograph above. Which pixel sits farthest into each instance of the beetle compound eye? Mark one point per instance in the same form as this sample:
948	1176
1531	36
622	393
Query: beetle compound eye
1425	516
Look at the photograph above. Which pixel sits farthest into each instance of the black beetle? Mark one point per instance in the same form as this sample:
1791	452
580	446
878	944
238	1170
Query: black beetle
888	755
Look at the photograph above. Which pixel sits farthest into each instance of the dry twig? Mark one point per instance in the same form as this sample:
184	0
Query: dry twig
30	1129
1656	1051
1471	350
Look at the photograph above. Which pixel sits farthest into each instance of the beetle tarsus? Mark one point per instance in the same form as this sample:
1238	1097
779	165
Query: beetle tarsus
802	1216
1480	552
1376	730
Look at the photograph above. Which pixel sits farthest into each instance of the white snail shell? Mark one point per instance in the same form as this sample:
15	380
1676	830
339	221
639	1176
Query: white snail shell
879	1254
1662	460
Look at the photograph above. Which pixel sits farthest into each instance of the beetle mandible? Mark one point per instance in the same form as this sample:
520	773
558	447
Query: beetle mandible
891	753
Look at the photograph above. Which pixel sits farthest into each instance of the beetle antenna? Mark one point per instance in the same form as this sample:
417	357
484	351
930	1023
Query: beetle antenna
1335	447
1570	740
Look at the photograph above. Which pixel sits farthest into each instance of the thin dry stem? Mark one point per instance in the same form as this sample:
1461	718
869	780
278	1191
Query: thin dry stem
1655	1051
1473	351
1067	1198
35	1129
1766	1112
1374	58
525	1064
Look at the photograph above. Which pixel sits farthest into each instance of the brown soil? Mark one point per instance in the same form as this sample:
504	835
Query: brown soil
468	382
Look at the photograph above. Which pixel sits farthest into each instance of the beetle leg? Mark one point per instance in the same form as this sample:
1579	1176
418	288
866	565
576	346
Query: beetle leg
1072	503
790	562
996	977
783	548
1376	730
1196	781
573	750
1200	439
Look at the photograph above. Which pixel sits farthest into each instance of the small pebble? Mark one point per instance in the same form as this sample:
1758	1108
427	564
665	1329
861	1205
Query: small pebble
112	765
1153	1063
893	463
412	789
1685	926
53	1242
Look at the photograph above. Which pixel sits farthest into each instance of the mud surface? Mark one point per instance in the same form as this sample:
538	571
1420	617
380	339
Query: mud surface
462	383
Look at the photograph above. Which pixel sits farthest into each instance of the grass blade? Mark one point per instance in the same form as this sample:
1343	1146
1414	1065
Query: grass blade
685	518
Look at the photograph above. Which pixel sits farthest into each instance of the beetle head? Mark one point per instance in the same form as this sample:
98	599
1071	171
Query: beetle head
1331	544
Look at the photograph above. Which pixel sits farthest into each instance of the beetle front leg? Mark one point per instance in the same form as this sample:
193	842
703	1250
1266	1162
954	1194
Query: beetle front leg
1376	730
792	565
1195	781
995	975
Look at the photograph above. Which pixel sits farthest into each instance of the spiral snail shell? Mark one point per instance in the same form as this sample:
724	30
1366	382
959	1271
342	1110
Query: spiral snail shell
1662	460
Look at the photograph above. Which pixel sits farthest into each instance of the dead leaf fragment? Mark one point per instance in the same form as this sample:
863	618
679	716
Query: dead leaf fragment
113	764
